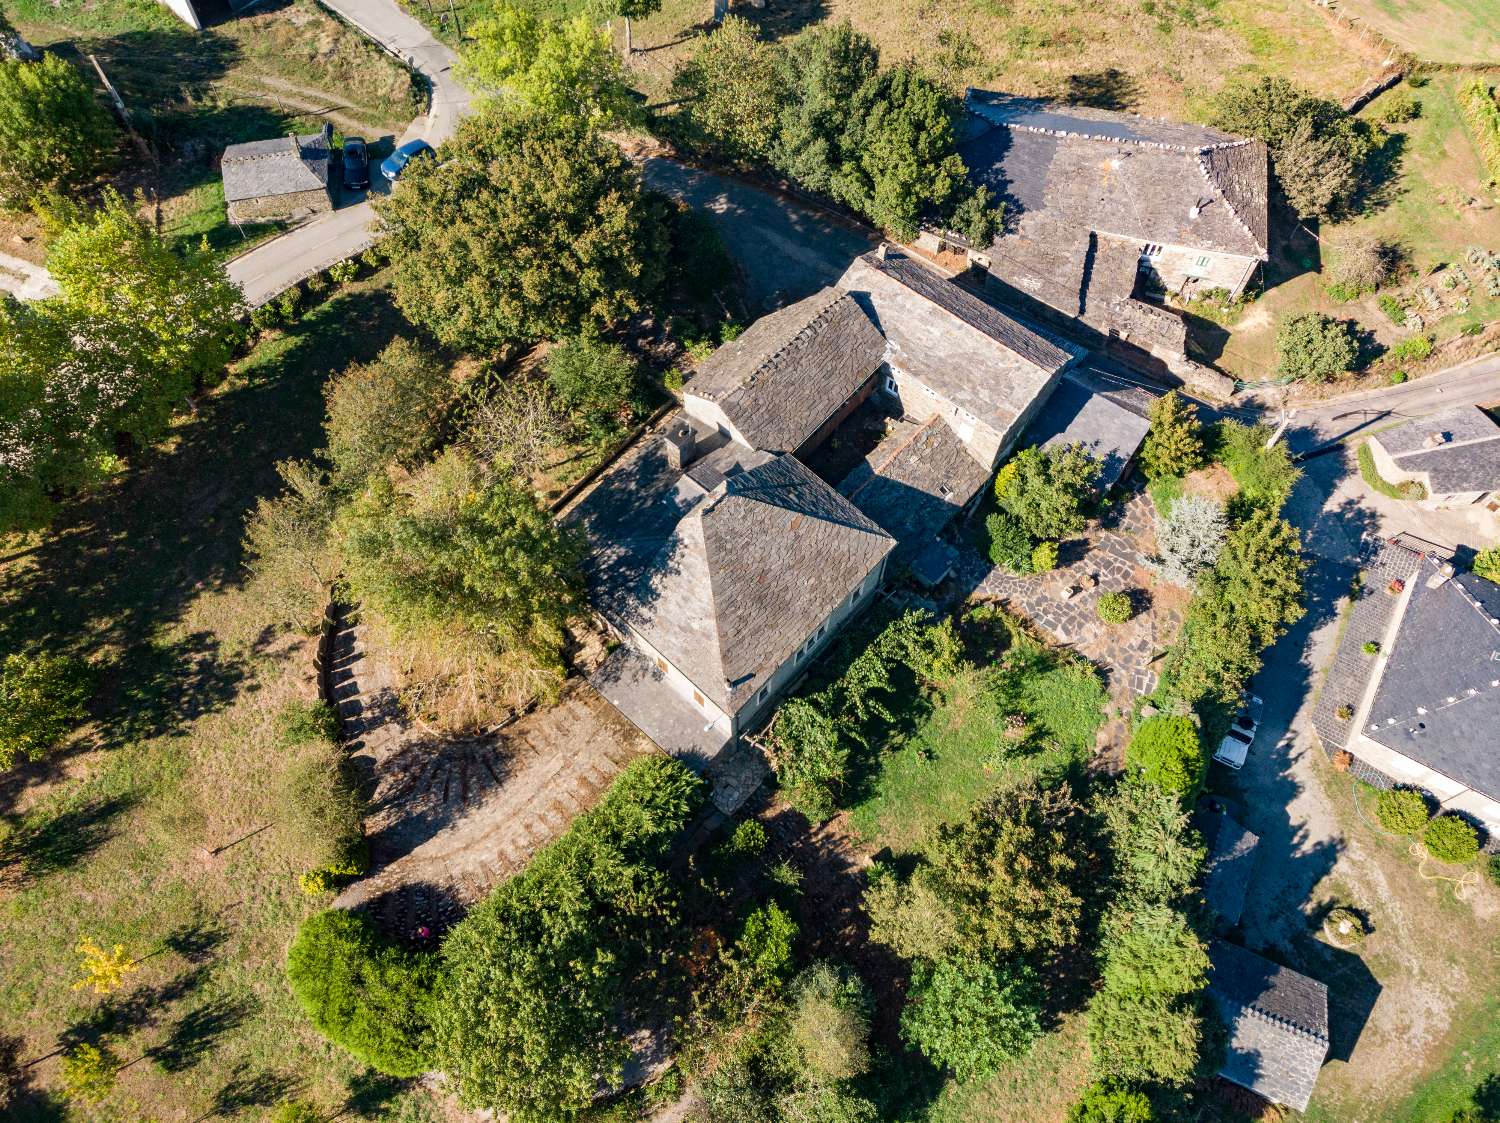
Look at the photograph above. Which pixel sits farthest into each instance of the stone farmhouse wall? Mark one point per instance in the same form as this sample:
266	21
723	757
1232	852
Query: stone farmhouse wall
1175	266
269	208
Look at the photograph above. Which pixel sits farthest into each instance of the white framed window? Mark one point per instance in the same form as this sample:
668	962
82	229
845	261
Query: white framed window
822	628
890	384
1203	263
1151	250
858	592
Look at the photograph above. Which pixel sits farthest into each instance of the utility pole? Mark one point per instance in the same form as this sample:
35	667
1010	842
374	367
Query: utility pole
124	114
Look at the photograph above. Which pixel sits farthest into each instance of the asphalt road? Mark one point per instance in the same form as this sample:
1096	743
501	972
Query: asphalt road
315	245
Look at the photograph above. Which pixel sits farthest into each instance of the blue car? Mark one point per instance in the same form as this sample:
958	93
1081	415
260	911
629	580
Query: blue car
394	164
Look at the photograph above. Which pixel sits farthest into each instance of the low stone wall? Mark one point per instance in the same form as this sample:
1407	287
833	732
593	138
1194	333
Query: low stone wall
271	208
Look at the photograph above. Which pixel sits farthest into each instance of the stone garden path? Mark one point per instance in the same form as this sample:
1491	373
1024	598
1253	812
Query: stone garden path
1110	557
452	817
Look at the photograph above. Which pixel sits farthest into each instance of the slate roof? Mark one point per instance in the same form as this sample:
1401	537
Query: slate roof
1108	418
280	166
791	370
1277	1021
1467	459
914	482
726	583
1438	699
1067	171
1230	864
975	354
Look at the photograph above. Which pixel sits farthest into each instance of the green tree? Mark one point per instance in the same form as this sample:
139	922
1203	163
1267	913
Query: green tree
1000	882
385	412
536	973
89	1073
1189	538
457	549
290	556
367	995
1320	153
54	134
559	68
971	1016
1145	1020
1215	654
596	382
899	160
42	697
1487	564
731	91
809	756
1166	749
1111	1103
1315	348
1047	489
1260	572
1265	476
295	1111
1155	853
1009	544
1174	443
537	230
820	72
829	1022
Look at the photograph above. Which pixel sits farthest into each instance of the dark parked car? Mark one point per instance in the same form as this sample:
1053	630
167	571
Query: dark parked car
394	164
356	164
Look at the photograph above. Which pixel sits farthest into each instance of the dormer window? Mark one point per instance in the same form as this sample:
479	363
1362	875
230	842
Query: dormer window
1152	250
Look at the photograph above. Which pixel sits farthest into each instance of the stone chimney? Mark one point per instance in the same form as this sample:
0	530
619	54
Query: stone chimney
680	443
1435	439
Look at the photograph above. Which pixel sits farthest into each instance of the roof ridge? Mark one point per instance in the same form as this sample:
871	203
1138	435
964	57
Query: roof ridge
1209	179
773	357
897	451
1284	1023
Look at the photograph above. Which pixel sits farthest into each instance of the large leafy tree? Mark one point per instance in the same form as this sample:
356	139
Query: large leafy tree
1046	489
899	161
135	328
1155	854
42	698
1261	572
54	135
535	228
821	70
457	548
558	68
385	412
972	1016
1314	347
1174	443
1320	152
289	553
1001	882
732	91
536	974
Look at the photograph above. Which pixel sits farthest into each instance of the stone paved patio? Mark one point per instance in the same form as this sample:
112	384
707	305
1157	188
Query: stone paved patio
1109	557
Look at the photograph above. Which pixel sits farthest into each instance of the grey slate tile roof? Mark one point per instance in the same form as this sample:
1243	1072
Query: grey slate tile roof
726	584
790	370
914	482
1067	171
1438	699
974	354
1466	459
1230	864
1277	1021
279	166
1108	419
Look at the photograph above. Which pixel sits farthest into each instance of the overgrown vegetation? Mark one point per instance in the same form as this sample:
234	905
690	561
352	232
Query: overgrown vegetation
1476	99
42	699
1315	348
1370	473
54	135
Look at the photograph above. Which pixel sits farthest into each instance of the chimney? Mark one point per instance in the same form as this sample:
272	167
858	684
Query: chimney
1436	439
1198	207
681	443
880	253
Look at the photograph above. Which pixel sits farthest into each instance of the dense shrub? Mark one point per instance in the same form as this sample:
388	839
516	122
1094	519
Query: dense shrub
296	1111
1115	608
1044	557
1048	489
972	1016
1397	107
829	1022
42	698
1111	1103
1401	810
385	412
366	995
1155	853
1481	110
54	133
1412	349
1450	839
810	757
1009	544
1487	564
306	719
1314	347
1265	476
596	382
1166	749
322	812
1174	443
535	975
1189	538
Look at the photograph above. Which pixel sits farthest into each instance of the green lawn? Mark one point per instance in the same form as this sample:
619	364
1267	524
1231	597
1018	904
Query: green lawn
111	840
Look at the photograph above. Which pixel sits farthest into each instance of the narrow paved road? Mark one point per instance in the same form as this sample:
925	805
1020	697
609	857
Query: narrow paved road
280	263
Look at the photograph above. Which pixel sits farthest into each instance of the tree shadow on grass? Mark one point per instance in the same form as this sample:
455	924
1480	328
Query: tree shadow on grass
197	1032
247	1089
1100	89
371	1092
124	564
118	1014
63	839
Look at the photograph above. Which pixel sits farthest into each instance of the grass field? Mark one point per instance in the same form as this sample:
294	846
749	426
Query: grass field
110	838
1450	31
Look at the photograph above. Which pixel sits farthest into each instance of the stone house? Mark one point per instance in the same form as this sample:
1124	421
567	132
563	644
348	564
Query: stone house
1455	455
1105	209
279	179
1277	1020
1423	710
724	562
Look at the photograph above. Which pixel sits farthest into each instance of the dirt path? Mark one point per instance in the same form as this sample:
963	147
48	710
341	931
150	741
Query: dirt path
453	817
315	102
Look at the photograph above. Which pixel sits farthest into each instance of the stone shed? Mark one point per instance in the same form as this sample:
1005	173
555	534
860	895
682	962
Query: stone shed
279	179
